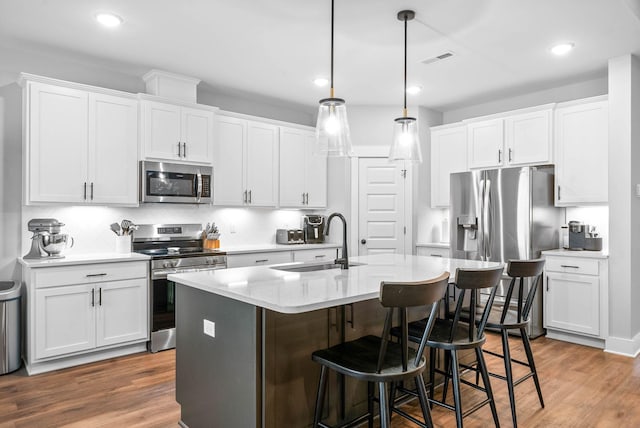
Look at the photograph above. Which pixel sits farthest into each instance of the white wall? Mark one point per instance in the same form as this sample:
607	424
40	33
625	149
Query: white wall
572	91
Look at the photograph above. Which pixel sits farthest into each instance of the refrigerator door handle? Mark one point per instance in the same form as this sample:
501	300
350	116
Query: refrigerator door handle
486	220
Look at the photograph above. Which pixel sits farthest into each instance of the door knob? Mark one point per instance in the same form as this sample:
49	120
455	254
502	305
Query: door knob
363	241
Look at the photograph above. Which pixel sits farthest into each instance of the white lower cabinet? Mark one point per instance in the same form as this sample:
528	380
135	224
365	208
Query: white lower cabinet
575	299
83	313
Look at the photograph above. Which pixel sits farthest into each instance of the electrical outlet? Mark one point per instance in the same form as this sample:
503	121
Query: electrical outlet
209	328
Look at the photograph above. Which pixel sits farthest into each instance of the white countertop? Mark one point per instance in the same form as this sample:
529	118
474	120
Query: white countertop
584	254
83	259
260	248
433	244
296	292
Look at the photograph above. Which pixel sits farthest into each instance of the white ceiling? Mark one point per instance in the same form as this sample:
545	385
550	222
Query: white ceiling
274	48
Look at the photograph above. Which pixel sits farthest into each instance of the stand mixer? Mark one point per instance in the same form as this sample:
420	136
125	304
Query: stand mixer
47	241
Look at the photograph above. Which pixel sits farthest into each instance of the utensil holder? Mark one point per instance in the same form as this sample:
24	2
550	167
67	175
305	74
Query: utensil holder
211	243
123	244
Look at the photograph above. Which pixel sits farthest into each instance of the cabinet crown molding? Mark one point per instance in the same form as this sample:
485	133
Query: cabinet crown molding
25	78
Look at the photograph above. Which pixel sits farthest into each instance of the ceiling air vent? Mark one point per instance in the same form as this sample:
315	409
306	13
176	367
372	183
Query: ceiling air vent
445	55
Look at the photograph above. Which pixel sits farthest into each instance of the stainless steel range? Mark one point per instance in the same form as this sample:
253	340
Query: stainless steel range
174	248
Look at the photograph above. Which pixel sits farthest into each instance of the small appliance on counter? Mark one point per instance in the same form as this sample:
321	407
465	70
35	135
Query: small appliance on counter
289	236
583	237
313	228
47	241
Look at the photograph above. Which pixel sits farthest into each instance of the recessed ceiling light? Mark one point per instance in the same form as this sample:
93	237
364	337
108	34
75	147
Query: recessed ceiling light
413	90
321	81
562	48
108	19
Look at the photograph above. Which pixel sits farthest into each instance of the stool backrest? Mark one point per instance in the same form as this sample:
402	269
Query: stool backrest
519	270
470	281
403	295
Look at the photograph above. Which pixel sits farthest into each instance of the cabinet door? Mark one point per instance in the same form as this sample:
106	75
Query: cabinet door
162	132
261	164
485	143
121	311
528	138
572	303
316	175
448	155
581	135
197	135
293	152
64	320
228	172
57	143
113	154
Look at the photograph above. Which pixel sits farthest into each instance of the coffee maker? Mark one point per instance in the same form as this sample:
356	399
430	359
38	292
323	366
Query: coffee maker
47	241
313	228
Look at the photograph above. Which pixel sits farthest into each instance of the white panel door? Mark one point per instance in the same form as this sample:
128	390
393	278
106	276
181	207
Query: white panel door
485	143
57	138
261	165
292	167
381	206
113	150
448	155
316	174
122	311
162	132
197	135
528	138
581	137
228	157
64	320
572	303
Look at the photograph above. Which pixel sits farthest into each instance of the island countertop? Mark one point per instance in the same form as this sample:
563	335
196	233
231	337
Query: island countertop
297	292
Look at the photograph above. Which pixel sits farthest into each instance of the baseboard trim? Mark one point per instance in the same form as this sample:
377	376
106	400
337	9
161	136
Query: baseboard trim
575	338
621	346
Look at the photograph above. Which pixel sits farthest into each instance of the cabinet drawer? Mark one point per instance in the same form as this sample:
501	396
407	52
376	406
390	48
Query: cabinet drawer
572	265
319	255
258	259
432	251
83	274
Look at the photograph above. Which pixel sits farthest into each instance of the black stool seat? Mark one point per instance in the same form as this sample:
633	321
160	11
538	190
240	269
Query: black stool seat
359	359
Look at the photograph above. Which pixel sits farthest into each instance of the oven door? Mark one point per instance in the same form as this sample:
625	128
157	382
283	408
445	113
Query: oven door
175	183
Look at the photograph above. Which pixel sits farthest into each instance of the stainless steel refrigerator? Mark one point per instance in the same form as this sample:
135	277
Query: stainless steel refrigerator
503	214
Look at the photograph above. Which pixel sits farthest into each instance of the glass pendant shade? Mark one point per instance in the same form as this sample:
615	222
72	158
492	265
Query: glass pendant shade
332	129
406	143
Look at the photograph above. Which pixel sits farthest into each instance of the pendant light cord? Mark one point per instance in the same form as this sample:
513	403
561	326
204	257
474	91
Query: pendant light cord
405	67
332	48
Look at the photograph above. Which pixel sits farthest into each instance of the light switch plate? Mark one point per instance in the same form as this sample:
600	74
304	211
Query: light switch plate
209	328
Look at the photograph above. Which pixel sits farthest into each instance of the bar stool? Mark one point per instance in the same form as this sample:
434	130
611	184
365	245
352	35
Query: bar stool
377	360
505	320
452	335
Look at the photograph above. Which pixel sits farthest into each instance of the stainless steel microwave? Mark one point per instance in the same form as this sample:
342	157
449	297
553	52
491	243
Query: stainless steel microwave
175	183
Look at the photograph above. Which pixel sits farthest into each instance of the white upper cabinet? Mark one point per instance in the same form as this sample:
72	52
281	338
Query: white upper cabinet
177	133
581	141
486	143
245	167
528	138
303	174
74	141
515	138
448	155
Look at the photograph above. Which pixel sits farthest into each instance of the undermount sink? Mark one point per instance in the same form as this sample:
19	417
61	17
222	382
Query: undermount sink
312	267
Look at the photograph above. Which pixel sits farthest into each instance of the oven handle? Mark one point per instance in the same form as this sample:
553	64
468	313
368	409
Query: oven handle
199	187
162	273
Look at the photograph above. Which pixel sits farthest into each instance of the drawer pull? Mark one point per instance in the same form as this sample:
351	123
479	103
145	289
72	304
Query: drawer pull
570	266
320	256
262	260
91	275
435	255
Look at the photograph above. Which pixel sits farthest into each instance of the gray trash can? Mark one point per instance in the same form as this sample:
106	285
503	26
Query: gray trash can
10	295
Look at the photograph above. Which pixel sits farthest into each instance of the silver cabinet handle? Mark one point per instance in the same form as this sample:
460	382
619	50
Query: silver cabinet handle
510	154
558	192
500	156
93	297
249	196
90	275
302	198
100	296
435	255
85	191
244	198
179	150
320	256
92	191
547	283
262	260
184	150
307	198
570	266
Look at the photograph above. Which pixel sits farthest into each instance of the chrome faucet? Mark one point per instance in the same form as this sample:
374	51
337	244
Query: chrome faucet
344	260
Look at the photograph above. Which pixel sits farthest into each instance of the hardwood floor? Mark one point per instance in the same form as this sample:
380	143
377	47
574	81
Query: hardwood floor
582	387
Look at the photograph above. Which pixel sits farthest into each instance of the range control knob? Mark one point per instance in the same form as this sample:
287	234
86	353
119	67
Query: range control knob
174	263
166	264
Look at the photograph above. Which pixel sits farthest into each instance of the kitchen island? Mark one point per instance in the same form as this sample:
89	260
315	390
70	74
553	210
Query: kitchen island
245	336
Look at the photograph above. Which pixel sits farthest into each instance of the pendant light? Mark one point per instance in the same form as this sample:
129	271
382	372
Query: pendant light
332	129
406	143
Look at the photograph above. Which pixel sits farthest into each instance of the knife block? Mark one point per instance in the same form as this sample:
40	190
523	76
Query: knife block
211	243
